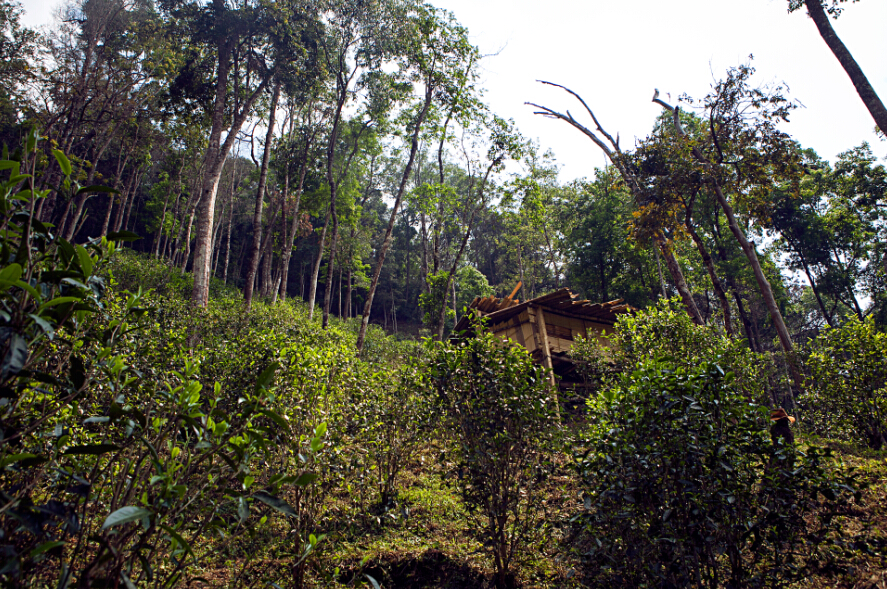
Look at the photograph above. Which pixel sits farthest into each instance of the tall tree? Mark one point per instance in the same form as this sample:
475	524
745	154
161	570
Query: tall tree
440	58
819	11
255	247
615	154
248	45
742	153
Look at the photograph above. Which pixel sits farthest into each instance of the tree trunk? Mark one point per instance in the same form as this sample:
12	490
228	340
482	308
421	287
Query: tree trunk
81	200
214	160
712	274
763	283
330	269
134	193
187	235
112	197
268	262
253	265
674	268
451	276
159	228
294	227
331	266
348	297
868	95
386	242
315	272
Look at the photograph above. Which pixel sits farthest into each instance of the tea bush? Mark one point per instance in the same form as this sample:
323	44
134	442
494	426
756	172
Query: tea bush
666	330
848	383
684	488
501	413
141	440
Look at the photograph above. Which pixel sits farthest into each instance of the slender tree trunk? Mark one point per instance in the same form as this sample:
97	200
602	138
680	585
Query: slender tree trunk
520	265
268	262
330	268
112	197
134	194
868	95
826	315
169	243
187	235
190	206
712	274
260	197
228	241
452	273
734	289
217	236
290	242
455	309
315	272
424	262
159	228
348	297
659	267
81	200
674	268
386	242
763	284
125	201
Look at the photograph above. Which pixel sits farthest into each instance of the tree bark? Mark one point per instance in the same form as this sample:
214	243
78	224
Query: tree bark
315	272
386	242
214	160
712	272
868	95
253	264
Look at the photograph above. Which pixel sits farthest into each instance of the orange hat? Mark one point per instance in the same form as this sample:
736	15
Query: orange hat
780	413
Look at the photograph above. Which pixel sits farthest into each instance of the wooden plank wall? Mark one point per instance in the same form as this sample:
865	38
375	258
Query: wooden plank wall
561	330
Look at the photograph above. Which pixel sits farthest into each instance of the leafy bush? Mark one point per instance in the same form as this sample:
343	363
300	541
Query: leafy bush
666	330
502	413
684	488
848	386
129	459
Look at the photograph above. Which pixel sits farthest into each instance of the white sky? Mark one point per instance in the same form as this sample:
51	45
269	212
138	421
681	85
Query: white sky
615	53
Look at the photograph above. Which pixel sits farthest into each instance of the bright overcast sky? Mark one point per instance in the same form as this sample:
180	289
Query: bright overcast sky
615	53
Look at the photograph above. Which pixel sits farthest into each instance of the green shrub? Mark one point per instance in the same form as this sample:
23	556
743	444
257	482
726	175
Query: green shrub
666	330
121	463
501	413
684	488
848	385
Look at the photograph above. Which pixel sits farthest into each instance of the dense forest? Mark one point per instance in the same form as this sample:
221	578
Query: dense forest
236	239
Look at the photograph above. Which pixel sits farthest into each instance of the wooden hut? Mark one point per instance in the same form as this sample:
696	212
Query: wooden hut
546	326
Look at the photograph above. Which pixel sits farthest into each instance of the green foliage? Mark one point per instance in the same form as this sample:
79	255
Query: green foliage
432	302
126	455
848	385
502	414
666	330
683	487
